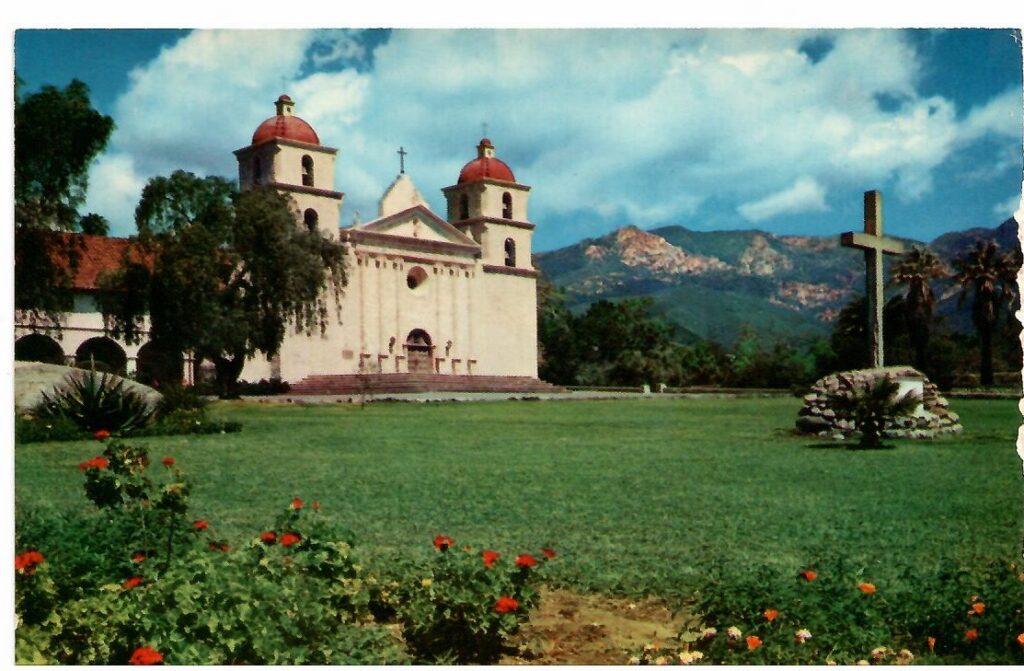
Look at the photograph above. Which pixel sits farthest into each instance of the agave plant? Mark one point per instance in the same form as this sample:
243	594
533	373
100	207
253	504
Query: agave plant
95	402
871	406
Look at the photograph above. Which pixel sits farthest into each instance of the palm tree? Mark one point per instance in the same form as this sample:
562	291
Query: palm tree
991	277
915	269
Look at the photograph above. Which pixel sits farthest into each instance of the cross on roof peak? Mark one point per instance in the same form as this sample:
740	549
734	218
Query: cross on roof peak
401	159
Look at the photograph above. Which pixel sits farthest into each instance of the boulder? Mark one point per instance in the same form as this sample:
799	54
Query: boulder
32	378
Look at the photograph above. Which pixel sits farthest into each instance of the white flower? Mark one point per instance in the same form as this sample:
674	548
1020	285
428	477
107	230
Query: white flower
802	635
661	660
687	657
708	633
634	661
878	654
734	633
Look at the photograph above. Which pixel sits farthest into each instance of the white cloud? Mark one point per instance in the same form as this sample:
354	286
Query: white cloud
648	124
1005	209
114	191
806	195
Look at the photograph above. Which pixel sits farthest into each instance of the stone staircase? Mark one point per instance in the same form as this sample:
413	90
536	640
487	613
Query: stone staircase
399	383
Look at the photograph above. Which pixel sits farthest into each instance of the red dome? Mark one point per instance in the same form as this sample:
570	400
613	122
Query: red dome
287	128
485	166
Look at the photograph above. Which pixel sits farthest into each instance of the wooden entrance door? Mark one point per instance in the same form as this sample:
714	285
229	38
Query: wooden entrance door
419	351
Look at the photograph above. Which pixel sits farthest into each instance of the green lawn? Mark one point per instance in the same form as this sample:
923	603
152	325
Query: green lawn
637	496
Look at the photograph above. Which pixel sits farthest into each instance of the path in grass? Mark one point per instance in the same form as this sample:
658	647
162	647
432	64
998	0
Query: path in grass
637	496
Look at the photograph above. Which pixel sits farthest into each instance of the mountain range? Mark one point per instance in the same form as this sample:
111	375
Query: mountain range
714	284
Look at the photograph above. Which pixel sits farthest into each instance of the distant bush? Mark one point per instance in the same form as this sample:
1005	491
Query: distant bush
31	429
176	398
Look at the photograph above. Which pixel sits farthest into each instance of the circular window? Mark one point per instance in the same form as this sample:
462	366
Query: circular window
416	277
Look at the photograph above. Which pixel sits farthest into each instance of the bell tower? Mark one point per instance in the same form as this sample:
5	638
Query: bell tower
488	205
286	154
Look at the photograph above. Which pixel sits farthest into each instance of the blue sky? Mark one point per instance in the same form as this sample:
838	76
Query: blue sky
780	130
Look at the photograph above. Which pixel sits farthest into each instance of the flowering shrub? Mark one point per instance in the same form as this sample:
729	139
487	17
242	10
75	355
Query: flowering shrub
142	581
466	604
829	612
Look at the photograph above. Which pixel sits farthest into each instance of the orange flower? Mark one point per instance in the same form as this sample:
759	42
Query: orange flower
490	556
268	537
167	461
931	643
442	543
290	539
866	587
971	634
138	557
132	583
219	546
809	575
98	463
548	553
199	525
146	655
296	504
506	604
26	562
102	434
753	642
771	614
1020	639
977	608
525	561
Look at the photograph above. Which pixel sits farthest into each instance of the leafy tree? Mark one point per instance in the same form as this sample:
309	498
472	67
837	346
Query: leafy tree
221	274
57	133
557	357
94	224
916	269
990	277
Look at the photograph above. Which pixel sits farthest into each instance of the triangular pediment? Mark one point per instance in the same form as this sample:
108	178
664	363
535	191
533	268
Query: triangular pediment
416	223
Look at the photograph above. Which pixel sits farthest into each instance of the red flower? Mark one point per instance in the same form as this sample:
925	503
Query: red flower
27	561
199	525
971	634
809	575
1020	639
442	543
866	587
296	503
506	604
490	556
931	643
167	461
102	434
220	547
145	656
99	463
753	642
290	539
977	608
548	553
138	557
526	561
132	583
268	537
771	614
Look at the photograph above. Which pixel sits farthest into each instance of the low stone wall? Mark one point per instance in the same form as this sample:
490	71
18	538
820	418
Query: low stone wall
818	417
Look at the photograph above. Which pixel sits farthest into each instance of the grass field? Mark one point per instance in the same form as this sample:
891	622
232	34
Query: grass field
637	496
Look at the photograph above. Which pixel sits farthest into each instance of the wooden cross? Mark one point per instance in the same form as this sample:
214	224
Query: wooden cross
874	245
401	158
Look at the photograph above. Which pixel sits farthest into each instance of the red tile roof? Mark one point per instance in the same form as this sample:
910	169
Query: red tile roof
98	254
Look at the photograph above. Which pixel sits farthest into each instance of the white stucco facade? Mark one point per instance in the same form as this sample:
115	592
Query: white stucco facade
451	295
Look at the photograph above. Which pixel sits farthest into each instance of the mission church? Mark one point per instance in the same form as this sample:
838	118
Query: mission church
449	302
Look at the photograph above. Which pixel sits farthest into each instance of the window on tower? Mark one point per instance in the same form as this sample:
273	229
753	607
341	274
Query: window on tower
463	206
510	252
257	170
311	219
506	205
307	170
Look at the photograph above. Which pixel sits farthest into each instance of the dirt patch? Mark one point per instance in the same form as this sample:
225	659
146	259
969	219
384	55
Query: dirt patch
578	629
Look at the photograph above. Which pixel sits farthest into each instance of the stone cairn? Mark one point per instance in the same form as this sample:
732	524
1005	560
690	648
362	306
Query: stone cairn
932	419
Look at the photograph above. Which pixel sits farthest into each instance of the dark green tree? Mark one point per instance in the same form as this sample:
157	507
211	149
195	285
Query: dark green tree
556	341
221	274
989	276
57	133
94	224
915	270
